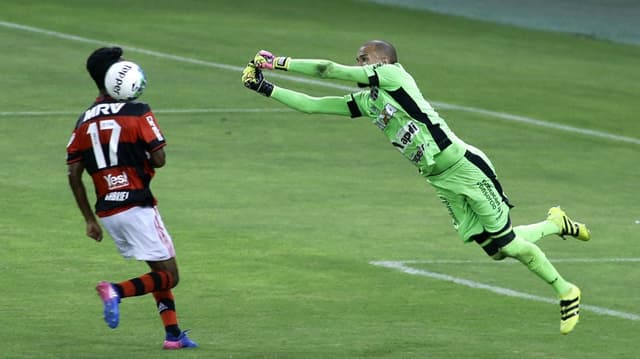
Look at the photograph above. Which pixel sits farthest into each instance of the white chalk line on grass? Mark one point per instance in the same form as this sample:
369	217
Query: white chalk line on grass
507	261
444	105
166	111
403	267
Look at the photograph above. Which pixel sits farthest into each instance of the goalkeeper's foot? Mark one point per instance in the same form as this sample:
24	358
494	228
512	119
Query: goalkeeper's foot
568	226
569	310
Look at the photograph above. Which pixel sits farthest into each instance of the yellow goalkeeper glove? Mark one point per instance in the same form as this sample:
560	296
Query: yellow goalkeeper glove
252	78
265	60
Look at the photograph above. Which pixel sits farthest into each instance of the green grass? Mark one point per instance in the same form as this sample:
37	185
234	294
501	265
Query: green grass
276	215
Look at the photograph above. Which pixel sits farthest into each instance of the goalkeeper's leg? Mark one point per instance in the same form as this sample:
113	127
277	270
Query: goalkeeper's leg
532	256
536	231
558	223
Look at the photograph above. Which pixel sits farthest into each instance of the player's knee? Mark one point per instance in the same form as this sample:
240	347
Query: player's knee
520	250
176	278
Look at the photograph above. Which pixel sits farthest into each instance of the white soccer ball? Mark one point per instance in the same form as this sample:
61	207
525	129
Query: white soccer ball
125	81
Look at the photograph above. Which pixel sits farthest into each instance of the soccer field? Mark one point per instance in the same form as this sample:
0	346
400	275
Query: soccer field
308	236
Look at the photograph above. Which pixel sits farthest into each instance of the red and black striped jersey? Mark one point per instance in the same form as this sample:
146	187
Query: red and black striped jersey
114	140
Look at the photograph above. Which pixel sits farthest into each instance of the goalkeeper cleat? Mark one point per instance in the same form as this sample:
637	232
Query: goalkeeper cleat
568	226
111	301
182	341
569	310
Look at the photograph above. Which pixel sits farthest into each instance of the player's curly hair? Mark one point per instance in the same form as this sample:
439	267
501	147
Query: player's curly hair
99	62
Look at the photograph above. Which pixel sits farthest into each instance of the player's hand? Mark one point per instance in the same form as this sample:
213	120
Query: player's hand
265	60
252	78
94	231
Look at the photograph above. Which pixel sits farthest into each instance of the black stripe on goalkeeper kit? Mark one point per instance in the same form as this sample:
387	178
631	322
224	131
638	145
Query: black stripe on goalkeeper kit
139	286
492	245
374	81
353	108
503	231
411	107
486	169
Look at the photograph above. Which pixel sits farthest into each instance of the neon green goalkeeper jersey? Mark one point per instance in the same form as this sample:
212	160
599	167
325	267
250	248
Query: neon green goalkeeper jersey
392	101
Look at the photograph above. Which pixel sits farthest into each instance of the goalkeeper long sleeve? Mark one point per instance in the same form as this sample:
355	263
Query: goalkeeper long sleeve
328	69
335	105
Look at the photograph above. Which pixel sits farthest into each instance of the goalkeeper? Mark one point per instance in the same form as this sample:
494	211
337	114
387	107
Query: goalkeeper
462	176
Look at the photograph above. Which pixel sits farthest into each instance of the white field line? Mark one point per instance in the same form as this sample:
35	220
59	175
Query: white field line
508	261
166	111
444	105
403	267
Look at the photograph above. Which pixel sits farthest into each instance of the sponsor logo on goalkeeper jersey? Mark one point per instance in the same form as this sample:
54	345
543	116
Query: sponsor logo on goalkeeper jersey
385	116
489	192
116	181
405	136
102	109
417	156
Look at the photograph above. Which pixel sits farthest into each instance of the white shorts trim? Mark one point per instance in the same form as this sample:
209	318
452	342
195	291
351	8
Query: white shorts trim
140	233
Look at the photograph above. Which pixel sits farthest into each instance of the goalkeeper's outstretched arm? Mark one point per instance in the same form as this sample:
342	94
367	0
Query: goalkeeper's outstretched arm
328	69
312	67
333	105
253	79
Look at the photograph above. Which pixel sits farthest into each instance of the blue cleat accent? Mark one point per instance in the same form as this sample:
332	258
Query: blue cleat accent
111	301
179	342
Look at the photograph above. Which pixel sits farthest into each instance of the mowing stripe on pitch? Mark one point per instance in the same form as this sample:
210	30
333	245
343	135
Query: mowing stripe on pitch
401	266
444	105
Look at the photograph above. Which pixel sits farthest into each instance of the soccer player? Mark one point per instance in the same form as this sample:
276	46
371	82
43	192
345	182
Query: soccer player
120	144
462	175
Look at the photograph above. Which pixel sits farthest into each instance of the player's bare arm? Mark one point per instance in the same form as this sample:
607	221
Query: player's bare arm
158	158
75	171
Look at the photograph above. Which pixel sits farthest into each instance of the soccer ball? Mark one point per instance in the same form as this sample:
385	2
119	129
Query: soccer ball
125	81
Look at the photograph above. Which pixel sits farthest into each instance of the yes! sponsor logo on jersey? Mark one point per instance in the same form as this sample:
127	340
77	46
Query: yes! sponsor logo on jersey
116	181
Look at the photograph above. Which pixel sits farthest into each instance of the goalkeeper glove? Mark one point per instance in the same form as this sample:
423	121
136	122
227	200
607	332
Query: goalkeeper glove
265	60
252	78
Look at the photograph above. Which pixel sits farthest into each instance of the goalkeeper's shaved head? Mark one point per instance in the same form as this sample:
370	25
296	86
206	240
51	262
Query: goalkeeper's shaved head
377	51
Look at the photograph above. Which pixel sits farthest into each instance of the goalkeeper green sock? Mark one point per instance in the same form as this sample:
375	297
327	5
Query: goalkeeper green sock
534	232
532	256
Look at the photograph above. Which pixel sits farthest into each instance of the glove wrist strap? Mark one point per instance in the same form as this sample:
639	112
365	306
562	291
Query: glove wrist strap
281	63
265	88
